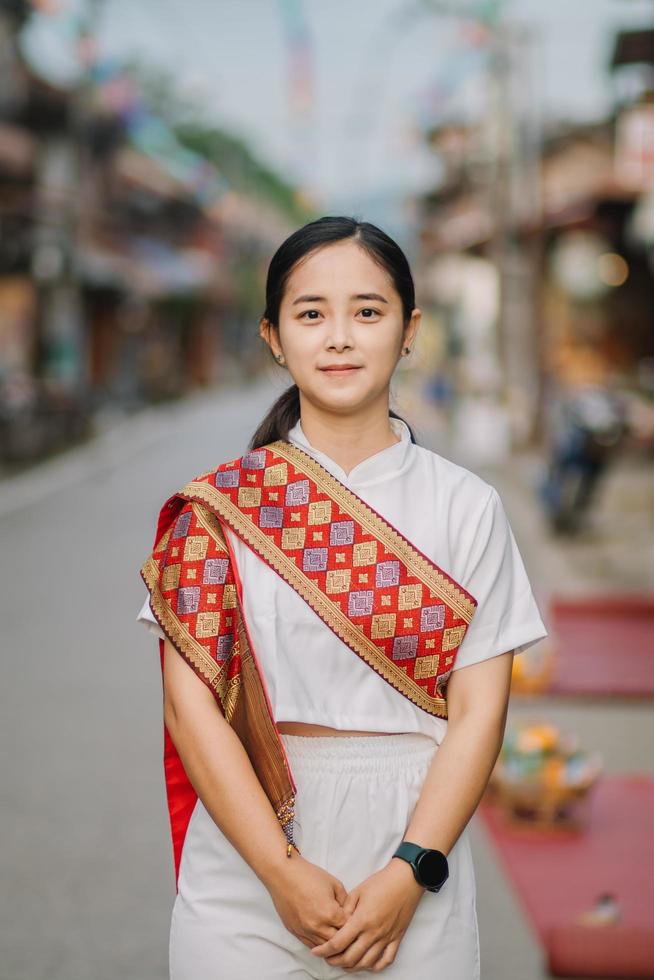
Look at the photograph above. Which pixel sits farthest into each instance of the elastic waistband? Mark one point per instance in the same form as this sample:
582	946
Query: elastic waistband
392	753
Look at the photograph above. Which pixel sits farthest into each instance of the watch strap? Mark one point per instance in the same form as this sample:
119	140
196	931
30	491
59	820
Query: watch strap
408	851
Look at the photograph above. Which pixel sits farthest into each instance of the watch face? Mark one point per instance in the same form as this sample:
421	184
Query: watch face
432	868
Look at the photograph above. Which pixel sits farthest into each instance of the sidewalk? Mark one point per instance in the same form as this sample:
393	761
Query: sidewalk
613	556
118	443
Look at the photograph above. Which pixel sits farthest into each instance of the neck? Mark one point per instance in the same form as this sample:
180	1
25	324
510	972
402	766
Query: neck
348	439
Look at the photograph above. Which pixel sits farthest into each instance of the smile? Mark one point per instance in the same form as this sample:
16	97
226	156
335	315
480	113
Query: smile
343	370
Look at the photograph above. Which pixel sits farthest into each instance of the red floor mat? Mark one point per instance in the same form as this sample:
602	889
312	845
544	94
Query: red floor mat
605	646
558	875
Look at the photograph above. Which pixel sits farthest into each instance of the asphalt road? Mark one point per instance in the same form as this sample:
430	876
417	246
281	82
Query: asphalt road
86	860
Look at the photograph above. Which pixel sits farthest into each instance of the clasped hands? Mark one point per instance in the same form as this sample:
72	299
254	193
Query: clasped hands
357	930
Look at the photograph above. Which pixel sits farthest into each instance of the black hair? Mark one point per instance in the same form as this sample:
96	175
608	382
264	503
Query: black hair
285	411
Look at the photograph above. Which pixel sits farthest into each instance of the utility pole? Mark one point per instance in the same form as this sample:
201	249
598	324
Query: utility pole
512	187
515	203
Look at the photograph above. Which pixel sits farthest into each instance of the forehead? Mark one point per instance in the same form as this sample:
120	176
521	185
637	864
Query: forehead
332	270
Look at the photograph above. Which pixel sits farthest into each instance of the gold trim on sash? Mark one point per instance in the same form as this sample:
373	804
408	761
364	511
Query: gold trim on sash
392	540
335	618
220	507
182	639
242	697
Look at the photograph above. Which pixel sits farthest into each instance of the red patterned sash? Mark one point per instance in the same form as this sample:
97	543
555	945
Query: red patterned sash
396	609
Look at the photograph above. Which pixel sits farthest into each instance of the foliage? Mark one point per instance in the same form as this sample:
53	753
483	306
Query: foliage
230	154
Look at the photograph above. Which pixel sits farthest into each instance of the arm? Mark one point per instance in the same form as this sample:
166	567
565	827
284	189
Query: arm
383	905
477	700
224	780
307	898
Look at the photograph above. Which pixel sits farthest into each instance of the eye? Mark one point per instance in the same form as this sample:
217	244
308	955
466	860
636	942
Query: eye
369	309
306	312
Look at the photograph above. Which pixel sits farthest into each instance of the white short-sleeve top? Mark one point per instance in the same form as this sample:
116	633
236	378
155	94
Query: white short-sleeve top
456	519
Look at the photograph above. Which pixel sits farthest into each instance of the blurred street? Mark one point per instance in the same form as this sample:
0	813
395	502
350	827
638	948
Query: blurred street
152	165
615	557
82	695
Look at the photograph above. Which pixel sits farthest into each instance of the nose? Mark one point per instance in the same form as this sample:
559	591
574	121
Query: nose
339	335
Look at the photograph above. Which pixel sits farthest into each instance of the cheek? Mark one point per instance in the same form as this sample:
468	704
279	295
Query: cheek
381	348
300	336
379	344
303	350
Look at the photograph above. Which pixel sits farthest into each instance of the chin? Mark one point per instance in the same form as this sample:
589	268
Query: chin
344	405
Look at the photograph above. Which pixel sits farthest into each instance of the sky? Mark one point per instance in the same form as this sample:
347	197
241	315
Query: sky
350	134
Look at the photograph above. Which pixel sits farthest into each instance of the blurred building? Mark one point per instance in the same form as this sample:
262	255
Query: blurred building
542	260
130	269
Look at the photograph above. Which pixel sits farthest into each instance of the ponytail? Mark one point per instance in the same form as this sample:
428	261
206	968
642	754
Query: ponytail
283	415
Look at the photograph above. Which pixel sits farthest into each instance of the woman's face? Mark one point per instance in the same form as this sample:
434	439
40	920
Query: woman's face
341	308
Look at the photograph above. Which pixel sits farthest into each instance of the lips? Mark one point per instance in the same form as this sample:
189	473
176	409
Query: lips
341	367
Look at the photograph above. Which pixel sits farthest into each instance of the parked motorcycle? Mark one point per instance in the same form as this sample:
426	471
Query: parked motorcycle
591	428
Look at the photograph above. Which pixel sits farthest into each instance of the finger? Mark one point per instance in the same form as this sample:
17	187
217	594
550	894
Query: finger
322	934
339	917
340	892
350	958
387	957
339	941
351	902
341	914
369	958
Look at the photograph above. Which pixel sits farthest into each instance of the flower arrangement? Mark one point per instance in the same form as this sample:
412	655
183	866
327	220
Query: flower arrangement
542	772
533	670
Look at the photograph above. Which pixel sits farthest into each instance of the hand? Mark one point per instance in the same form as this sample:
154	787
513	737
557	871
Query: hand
309	900
379	911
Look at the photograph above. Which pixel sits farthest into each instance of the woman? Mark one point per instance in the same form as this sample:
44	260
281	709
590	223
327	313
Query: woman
326	750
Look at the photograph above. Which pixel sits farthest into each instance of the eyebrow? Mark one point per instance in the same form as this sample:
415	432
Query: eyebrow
323	299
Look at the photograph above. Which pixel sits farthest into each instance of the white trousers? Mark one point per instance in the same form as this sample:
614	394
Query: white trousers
356	795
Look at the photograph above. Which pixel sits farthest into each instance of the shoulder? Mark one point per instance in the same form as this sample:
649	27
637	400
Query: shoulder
253	459
454	483
465	509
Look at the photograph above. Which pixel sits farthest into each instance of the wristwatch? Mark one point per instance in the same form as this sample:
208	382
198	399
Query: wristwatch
430	868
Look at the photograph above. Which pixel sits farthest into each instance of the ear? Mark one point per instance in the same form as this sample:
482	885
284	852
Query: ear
412	327
270	335
264	329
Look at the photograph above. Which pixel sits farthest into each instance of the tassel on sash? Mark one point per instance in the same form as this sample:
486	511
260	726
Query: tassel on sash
385	599
194	595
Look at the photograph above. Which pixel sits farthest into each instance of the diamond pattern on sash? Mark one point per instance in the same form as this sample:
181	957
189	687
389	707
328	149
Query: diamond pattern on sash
407	618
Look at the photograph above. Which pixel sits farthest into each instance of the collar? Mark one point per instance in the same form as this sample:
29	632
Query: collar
386	463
